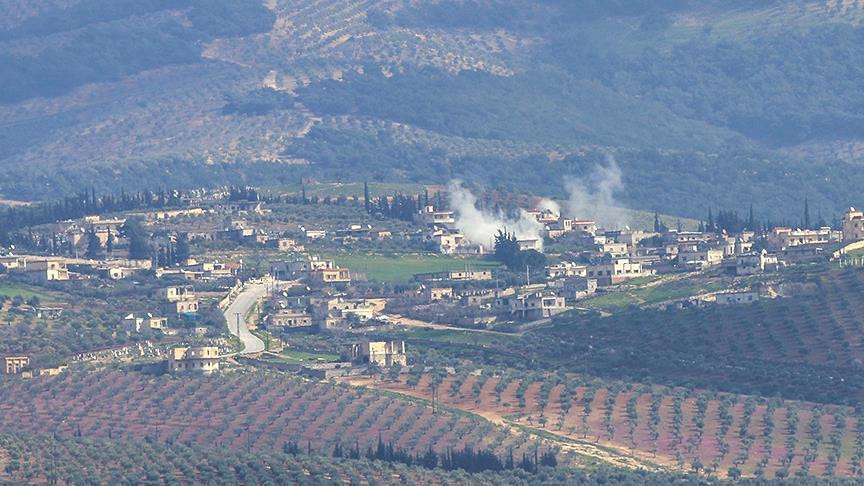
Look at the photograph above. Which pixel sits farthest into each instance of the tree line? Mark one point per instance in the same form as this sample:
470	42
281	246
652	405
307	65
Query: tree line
467	458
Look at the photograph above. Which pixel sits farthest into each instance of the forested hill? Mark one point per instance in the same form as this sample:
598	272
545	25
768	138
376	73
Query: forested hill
714	102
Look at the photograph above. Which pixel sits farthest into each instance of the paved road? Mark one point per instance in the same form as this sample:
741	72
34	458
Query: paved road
244	301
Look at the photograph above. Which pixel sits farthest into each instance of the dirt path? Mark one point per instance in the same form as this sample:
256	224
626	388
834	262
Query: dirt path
586	449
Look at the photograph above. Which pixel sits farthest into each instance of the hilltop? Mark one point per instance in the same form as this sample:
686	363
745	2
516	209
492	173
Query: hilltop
721	103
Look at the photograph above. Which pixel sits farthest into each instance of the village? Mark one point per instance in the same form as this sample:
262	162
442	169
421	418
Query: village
189	265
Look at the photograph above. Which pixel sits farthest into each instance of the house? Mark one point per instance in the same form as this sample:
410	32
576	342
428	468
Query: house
853	225
285	245
362	309
780	237
476	275
330	276
193	359
312	234
574	288
535	244
46	270
694	256
429	216
14	365
743	297
380	353
532	305
180	300
437	294
176	294
751	263
566	269
289	319
134	324
612	271
613	248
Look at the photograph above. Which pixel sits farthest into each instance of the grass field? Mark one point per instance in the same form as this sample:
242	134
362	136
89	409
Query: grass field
10	290
302	357
401	268
676	289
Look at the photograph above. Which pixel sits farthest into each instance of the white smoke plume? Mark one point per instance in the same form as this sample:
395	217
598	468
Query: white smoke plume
549	205
593	197
480	226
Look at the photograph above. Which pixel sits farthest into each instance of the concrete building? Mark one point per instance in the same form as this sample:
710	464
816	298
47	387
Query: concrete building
566	269
176	294
193	359
380	353
616	270
532	305
751	263
180	300
780	237
47	270
477	275
694	256
853	225
429	216
289	319
330	276
437	294
134	324
14	365
731	298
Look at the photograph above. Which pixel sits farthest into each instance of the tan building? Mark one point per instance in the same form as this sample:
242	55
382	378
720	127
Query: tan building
693	256
289	319
780	237
455	276
47	270
175	294
199	359
533	305
287	245
853	225
134	324
14	365
380	353
331	276
732	298
436	294
180	300
566	269
617	270
431	217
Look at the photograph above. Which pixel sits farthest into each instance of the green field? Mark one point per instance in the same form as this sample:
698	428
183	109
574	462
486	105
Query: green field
676	289
302	357
26	291
396	268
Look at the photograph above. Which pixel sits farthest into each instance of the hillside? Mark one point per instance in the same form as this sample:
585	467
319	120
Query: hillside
700	103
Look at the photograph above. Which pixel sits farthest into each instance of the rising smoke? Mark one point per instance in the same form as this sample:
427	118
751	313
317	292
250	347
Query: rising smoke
593	197
481	225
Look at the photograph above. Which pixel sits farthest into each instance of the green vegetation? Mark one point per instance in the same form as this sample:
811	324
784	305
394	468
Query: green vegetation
14	289
645	294
303	357
106	41
400	268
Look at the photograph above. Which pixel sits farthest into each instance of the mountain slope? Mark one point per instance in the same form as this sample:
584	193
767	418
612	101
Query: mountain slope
701	103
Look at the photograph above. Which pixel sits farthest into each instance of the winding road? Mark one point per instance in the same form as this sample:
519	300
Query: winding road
241	305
